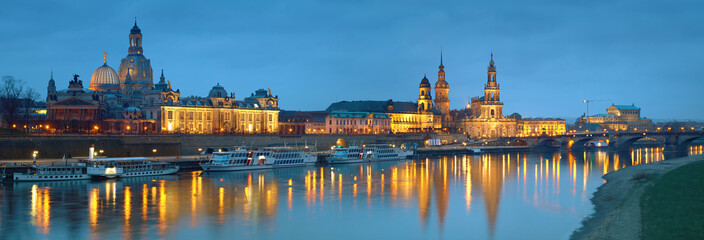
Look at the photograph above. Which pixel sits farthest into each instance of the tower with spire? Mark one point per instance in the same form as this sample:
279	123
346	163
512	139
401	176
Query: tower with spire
492	100
138	66
442	91
425	100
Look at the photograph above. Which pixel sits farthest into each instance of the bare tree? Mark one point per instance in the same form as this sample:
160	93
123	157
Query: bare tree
11	99
28	100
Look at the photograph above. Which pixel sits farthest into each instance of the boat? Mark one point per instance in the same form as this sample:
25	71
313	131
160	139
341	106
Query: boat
352	154
53	173
238	160
127	167
266	158
384	152
475	150
287	157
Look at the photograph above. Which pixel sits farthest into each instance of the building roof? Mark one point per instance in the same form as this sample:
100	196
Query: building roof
372	106
357	114
626	107
603	115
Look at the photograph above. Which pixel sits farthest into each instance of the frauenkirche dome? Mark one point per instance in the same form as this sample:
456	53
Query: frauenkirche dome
104	79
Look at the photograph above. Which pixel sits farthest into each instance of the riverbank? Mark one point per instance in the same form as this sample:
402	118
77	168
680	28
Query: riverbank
617	203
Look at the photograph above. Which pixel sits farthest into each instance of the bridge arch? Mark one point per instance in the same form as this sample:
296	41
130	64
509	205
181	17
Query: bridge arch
682	145
548	142
625	145
578	144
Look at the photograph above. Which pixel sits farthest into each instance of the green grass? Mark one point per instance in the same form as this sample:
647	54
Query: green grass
673	207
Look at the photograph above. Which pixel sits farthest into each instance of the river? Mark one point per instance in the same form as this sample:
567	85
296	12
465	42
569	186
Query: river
490	196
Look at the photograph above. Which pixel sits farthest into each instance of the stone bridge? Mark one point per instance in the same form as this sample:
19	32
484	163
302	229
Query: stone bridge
621	141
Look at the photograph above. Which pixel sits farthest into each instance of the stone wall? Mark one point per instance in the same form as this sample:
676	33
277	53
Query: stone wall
21	147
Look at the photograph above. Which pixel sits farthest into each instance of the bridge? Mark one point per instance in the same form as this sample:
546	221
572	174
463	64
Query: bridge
620	141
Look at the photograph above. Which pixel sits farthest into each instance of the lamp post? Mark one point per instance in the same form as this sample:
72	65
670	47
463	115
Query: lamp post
154	153
34	157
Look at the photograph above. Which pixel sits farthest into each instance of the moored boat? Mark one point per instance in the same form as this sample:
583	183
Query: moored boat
385	152
352	154
238	160
127	167
53	173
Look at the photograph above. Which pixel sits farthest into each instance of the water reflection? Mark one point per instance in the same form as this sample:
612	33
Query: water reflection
483	196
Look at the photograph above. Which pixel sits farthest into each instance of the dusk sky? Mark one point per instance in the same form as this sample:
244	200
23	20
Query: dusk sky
550	55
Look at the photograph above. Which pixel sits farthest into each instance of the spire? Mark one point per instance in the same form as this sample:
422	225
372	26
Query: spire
162	78
135	21
128	78
105	58
52	74
491	63
441	66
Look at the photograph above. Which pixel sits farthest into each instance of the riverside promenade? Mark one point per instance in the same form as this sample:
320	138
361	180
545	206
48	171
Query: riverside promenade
620	211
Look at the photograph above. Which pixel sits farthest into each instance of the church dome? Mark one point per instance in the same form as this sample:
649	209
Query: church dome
442	84
424	83
135	29
217	92
104	79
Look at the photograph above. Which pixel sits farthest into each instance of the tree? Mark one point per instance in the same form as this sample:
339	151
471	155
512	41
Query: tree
10	99
28	101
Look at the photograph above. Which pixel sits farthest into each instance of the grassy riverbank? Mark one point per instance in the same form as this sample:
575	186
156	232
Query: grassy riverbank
660	200
673	207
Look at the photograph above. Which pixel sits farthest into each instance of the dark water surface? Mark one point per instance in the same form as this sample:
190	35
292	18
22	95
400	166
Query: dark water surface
492	196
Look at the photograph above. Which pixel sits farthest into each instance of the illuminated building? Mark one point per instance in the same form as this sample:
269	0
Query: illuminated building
404	117
358	123
618	118
540	126
484	116
442	99
302	122
127	101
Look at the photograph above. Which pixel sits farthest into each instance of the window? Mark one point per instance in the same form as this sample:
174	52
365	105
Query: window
171	115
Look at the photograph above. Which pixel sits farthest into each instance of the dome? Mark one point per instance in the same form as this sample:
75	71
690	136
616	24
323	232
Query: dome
104	79
217	92
135	29
424	83
140	69
441	84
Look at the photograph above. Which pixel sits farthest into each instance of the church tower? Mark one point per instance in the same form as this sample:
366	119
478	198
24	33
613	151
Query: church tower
425	100
138	66
442	91
492	101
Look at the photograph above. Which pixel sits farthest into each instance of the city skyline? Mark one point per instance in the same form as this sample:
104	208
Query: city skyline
537	70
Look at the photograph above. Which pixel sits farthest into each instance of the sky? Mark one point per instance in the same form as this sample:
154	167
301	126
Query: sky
550	55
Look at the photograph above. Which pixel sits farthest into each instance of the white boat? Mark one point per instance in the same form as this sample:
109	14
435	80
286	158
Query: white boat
266	158
53	173
384	152
287	157
476	150
127	167
352	154
238	160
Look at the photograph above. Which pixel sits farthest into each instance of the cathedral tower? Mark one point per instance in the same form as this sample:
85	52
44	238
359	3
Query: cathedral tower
138	66
492	101
442	91
425	100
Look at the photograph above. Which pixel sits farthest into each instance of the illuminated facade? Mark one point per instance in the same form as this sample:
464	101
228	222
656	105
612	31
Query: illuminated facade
540	126
442	96
358	123
127	101
484	117
619	118
404	117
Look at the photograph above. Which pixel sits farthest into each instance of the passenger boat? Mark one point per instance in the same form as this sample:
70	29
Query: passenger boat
266	158
384	152
352	154
288	157
53	173
237	160
127	167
